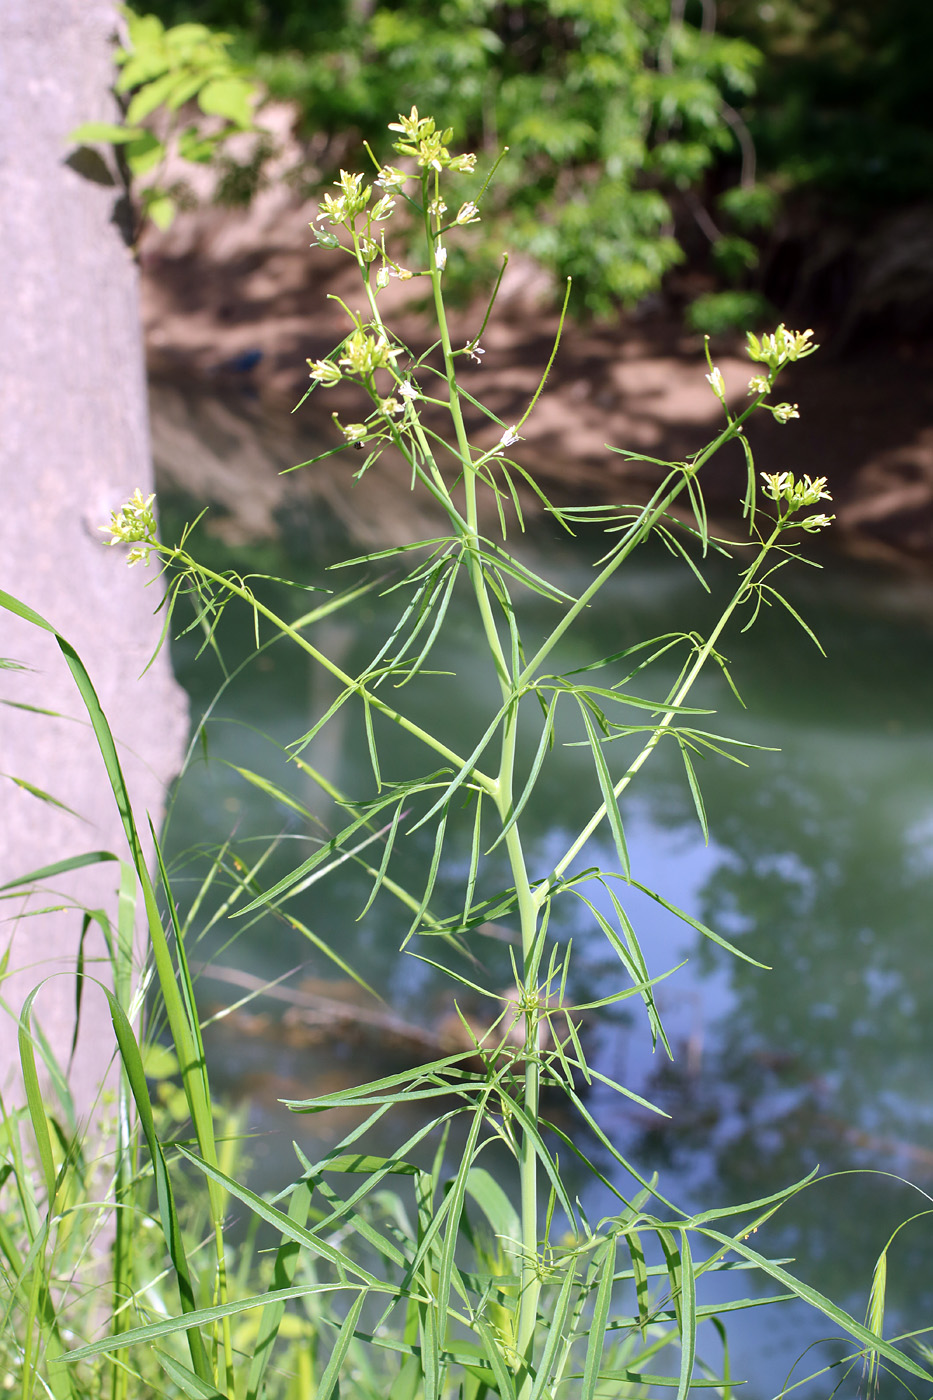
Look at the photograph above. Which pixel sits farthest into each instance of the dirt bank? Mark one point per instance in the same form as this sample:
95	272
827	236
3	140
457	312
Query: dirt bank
234	304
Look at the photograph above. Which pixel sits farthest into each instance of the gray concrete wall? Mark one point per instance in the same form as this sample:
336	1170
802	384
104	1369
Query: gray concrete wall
73	446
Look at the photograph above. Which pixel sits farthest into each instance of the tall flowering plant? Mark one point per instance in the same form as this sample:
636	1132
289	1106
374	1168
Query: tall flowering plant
419	1273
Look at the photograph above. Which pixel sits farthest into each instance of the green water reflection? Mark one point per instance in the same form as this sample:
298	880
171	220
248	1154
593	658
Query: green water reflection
820	865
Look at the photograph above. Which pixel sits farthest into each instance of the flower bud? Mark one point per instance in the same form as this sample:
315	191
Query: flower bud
325	372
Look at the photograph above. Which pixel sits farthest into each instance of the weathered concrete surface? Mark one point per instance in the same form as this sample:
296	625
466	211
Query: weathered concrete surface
73	445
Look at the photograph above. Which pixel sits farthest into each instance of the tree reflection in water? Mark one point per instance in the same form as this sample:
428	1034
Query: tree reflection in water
823	869
820	865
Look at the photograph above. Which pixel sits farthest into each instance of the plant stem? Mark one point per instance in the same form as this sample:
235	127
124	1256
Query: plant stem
639	531
527	908
675	701
239	591
474	562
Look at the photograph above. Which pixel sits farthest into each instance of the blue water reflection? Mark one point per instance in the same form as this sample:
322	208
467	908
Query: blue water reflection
820	865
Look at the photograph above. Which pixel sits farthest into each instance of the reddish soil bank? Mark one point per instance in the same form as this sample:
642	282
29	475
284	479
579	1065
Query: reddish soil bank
234	304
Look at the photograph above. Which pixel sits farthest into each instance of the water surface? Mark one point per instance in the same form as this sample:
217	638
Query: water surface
819	864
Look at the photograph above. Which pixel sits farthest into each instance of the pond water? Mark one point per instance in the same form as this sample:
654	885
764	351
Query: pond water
819	864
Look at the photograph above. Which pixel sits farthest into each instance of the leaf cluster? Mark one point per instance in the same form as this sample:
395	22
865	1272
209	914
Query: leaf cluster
162	72
841	108
612	113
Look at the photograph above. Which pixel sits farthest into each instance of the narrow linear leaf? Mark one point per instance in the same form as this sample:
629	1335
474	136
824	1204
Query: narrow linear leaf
41	794
286	1261
795	615
35	1102
59	867
597	1328
687	1319
555	1333
475	849
823	1304
700	927
282	1223
432	877
186	1379
384	863
694	788
503	1376
544	744
609	798
202	1317
330	1379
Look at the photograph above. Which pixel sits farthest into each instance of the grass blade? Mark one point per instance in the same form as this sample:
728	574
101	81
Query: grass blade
59	867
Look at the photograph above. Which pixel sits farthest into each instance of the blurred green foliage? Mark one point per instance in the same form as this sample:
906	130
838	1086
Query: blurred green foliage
612	110
162	71
641	131
716	313
843	103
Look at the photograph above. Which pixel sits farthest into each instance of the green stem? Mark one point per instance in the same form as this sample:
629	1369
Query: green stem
434	482
647	523
527	908
675	701
231	586
474	562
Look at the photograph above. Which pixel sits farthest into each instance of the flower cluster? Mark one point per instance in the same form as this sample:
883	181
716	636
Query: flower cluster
391	179
363	353
352	200
133	522
784	412
717	383
428	146
780	348
325	372
350	207
782	486
792	495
